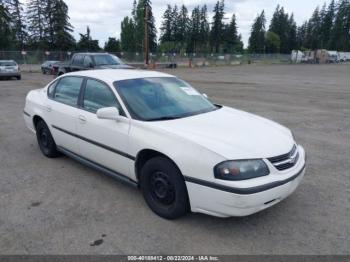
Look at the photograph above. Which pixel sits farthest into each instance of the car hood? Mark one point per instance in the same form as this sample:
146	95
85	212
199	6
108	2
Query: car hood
115	67
232	134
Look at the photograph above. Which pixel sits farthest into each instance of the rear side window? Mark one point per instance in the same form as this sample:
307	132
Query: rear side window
67	90
87	61
98	95
78	60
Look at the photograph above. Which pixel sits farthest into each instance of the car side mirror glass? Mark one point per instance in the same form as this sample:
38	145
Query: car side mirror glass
108	113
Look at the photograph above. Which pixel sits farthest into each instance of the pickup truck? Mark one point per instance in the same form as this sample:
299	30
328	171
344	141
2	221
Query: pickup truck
90	61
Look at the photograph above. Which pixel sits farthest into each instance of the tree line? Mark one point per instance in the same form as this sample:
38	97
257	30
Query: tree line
45	25
328	28
184	32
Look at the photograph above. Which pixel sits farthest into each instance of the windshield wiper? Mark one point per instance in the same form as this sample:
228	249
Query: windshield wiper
164	118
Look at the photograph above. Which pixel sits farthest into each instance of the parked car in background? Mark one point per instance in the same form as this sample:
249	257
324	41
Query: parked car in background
9	69
344	56
88	61
47	67
155	131
333	57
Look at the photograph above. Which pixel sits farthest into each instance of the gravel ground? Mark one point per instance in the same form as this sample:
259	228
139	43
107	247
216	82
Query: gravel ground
61	207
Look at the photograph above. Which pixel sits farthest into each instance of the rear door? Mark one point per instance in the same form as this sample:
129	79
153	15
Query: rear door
105	142
62	111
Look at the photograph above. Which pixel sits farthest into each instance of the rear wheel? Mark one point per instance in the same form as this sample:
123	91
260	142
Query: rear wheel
164	188
19	77
45	140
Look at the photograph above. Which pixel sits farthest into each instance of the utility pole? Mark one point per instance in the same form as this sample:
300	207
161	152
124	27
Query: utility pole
146	40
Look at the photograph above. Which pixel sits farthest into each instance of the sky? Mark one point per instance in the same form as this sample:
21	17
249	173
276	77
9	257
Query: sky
104	16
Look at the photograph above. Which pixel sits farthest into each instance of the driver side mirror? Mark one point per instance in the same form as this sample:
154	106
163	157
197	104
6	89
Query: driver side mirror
108	113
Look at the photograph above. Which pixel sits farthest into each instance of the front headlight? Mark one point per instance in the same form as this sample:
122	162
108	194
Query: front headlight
241	170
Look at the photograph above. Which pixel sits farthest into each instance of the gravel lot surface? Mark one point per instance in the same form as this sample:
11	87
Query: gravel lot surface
61	207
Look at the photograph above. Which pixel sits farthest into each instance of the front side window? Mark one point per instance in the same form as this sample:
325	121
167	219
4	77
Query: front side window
101	60
67	90
162	98
97	95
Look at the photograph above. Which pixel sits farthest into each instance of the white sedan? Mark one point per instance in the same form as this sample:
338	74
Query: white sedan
155	131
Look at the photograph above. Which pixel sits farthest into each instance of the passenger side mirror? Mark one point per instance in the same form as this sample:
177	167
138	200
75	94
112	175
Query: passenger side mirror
108	113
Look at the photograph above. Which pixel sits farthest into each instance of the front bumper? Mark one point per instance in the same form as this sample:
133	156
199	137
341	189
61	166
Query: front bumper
223	201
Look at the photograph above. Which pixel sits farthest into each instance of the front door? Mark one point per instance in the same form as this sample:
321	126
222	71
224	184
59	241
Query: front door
105	142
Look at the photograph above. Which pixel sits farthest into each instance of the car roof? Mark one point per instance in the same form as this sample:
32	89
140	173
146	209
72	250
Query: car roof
112	75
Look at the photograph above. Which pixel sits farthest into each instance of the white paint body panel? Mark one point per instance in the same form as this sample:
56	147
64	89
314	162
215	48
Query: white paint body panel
196	144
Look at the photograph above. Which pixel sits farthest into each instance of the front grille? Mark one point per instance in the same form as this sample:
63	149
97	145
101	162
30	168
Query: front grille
286	161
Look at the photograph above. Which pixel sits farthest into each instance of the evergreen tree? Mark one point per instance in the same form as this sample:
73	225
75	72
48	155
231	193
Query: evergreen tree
231	38
314	30
217	30
127	35
139	20
327	25
86	43
301	36
58	29
292	34
195	27
166	33
257	37
183	24
5	27
112	45
340	39
204	29
36	23
15	8
280	25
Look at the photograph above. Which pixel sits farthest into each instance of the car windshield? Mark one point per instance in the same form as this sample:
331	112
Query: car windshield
107	60
161	98
8	63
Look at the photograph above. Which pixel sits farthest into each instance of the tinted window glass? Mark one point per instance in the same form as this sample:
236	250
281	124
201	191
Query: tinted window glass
98	95
162	98
67	90
51	90
107	60
78	60
8	64
87	61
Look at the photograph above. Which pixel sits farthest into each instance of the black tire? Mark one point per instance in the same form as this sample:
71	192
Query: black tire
164	188
45	140
19	77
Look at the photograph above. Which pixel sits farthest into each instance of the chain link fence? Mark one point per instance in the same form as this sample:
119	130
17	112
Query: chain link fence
156	59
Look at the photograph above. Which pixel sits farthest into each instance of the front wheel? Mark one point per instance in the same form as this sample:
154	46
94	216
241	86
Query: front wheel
164	188
45	140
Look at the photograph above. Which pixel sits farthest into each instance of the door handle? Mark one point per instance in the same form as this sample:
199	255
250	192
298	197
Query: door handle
82	119
48	108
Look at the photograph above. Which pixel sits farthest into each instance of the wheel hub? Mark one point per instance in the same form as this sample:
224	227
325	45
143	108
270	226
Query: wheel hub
162	189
